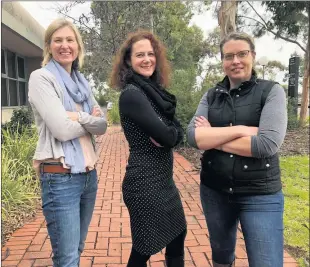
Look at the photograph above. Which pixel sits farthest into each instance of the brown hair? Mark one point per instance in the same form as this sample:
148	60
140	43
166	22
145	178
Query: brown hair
237	36
121	71
54	26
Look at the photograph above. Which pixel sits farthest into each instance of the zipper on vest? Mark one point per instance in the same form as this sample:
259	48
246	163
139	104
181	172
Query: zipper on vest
233	106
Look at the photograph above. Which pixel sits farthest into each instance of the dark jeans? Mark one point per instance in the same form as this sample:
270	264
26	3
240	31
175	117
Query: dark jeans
261	219
68	202
174	249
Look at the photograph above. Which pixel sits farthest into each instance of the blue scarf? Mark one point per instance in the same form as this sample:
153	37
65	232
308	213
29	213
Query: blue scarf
76	90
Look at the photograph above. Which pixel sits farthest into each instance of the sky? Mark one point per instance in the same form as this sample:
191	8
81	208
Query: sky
265	47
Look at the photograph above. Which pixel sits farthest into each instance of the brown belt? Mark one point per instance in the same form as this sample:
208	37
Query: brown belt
56	169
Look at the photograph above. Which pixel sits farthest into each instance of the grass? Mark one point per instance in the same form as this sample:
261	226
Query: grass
20	187
295	177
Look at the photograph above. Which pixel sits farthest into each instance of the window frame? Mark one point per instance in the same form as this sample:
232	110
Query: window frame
17	79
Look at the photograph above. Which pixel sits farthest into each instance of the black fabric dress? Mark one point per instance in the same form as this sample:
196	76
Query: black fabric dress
149	192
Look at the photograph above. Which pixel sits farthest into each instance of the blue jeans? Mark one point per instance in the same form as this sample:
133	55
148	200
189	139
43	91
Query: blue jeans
261	219
68	202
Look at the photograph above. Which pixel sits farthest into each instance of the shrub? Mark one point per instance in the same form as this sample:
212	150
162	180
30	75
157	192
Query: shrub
101	99
19	184
113	114
183	87
21	119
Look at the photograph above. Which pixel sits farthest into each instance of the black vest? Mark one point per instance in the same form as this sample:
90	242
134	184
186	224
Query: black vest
231	173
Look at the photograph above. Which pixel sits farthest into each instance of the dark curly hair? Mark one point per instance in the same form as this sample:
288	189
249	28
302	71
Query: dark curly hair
121	71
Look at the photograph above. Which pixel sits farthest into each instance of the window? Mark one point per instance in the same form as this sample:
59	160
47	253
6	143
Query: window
21	67
13	93
11	63
4	95
22	94
2	62
13	80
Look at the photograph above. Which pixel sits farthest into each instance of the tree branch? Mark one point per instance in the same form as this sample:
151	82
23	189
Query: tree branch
276	34
60	11
253	19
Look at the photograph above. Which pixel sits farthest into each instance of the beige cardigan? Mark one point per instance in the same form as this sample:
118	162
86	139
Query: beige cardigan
46	99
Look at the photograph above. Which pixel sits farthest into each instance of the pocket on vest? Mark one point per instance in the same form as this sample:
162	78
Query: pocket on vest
251	169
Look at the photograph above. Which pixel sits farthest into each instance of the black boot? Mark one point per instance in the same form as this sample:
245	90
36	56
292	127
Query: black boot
175	261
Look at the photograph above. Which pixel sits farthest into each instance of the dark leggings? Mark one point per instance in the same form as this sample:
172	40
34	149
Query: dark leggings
174	249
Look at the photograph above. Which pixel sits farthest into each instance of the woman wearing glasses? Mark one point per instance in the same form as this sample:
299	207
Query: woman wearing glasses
240	123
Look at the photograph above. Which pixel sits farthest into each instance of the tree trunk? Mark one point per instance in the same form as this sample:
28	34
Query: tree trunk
305	84
227	17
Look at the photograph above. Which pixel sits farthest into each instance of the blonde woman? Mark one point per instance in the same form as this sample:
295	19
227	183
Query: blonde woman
67	116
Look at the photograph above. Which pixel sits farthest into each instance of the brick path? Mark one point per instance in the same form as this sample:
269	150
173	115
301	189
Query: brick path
108	241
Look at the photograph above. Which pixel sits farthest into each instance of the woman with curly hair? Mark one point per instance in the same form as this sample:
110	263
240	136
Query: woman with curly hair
147	111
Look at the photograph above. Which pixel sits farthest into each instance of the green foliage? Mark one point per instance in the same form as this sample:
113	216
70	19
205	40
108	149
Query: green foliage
295	177
184	43
19	184
170	21
290	18
212	66
270	71
113	114
292	118
287	20
113	20
101	99
21	118
111	95
187	97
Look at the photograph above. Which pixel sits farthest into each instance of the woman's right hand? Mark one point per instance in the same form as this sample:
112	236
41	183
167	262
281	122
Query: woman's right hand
201	121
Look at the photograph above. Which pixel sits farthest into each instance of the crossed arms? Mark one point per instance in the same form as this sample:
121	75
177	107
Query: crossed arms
62	124
234	139
259	142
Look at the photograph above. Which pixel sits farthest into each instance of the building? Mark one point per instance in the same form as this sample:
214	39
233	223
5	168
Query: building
21	53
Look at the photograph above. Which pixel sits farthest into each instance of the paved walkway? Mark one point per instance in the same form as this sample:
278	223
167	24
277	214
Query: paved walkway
108	241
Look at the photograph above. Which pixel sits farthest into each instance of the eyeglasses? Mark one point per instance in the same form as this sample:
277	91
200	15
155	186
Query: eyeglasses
240	55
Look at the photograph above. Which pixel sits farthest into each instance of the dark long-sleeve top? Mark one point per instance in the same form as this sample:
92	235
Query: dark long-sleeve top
135	105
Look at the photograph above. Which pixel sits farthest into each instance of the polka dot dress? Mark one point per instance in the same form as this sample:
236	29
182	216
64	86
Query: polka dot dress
149	192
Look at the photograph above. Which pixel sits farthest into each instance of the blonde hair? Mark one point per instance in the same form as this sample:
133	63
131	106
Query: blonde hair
54	26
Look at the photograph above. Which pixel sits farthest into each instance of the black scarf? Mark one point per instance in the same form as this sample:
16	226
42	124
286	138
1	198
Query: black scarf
165	101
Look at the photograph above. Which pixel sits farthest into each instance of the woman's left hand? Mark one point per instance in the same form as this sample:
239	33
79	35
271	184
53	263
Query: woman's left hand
201	121
96	111
155	143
